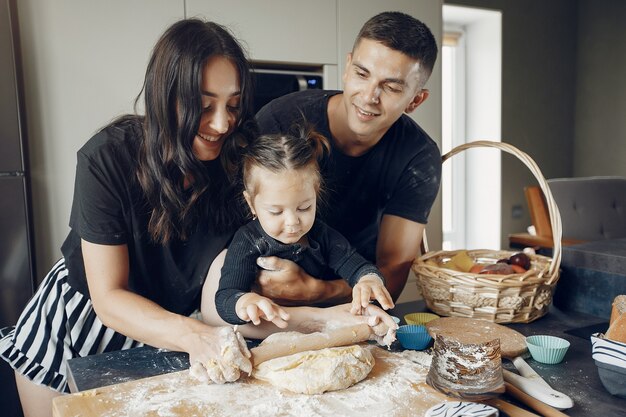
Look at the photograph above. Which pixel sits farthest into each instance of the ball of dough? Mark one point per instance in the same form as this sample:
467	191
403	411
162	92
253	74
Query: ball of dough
315	372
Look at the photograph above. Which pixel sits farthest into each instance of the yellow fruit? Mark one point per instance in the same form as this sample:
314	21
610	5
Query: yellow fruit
462	261
449	265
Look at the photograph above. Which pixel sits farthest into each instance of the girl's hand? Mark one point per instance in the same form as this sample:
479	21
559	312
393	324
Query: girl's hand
220	354
370	287
254	307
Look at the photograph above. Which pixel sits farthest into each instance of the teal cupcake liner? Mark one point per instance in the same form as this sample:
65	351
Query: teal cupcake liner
547	349
414	337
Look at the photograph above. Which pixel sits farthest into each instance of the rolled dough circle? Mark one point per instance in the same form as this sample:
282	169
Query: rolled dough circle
476	331
318	371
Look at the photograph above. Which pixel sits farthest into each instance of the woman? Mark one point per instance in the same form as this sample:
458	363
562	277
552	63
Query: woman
150	213
152	209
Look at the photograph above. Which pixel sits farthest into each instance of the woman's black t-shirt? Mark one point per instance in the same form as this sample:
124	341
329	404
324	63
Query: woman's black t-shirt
109	208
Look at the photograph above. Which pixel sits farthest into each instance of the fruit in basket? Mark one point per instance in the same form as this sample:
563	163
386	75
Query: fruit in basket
498	269
462	261
449	265
430	262
477	268
520	259
518	269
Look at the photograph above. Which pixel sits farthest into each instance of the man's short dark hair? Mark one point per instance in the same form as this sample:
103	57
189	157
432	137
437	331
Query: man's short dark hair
405	34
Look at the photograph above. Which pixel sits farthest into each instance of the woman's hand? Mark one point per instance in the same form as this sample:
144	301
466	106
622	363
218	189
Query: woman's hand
370	287
219	354
254	307
286	283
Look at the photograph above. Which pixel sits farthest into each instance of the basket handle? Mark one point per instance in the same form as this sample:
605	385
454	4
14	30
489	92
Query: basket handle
553	210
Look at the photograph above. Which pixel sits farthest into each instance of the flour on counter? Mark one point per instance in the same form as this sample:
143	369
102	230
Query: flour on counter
394	388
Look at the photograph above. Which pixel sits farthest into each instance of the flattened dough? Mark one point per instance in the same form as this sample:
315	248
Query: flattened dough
466	330
315	372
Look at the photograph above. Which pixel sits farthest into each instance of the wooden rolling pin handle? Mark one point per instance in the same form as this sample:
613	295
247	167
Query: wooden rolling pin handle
510	409
533	403
314	341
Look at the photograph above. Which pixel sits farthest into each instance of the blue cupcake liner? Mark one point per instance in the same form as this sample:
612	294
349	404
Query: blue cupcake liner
413	336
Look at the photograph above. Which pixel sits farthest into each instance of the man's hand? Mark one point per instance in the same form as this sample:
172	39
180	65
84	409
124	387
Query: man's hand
287	284
370	287
254	307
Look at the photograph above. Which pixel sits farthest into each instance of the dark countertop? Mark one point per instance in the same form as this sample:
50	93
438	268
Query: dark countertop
576	376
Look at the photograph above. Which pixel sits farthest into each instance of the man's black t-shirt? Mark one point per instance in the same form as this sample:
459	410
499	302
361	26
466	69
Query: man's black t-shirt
109	208
399	176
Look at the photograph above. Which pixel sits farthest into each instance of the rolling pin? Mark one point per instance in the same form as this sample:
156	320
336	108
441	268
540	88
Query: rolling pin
510	409
314	341
535	404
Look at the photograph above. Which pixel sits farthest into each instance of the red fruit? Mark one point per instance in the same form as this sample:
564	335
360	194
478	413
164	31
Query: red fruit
518	269
520	259
498	269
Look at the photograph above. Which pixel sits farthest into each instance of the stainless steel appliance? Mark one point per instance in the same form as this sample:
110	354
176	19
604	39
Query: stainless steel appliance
17	275
271	82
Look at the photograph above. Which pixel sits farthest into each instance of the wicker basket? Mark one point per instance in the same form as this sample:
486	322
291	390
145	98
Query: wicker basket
516	298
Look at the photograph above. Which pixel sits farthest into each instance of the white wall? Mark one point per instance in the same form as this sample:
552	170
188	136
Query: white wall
278	30
84	63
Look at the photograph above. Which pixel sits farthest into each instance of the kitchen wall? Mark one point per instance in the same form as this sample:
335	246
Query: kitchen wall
600	125
563	91
84	63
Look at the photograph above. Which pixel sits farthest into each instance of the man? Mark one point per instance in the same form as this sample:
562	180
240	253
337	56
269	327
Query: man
383	173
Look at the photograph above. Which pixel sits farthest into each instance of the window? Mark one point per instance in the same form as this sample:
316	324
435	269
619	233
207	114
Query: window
453	134
471	60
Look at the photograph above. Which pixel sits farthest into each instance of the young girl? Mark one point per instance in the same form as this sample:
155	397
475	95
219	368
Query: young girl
282	184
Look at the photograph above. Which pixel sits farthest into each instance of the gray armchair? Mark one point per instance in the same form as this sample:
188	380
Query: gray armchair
593	210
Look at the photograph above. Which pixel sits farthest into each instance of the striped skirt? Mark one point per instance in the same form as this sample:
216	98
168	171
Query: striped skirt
58	324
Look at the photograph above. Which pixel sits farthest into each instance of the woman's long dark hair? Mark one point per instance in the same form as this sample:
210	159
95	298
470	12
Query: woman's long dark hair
173	107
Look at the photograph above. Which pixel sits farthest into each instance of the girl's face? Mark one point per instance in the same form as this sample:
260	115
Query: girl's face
221	93
284	202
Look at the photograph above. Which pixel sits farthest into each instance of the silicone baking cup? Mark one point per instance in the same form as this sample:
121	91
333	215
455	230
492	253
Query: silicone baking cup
419	318
547	349
413	336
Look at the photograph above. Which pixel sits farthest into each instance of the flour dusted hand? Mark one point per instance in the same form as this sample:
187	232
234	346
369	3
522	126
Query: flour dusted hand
224	358
370	287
